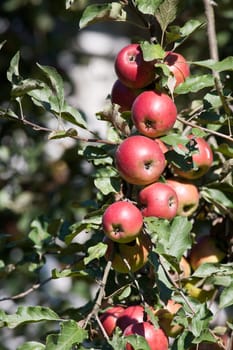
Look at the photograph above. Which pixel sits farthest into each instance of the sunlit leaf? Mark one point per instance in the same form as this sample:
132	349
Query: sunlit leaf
102	12
226	297
25	314
13	71
152	51
166	13
32	345
70	334
195	84
225	65
95	252
148	6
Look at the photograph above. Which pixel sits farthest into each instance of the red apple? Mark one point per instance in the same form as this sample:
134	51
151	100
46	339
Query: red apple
131	68
155	337
206	250
131	315
109	318
158	199
188	196
162	145
202	160
128	257
139	160
178	66
123	95
122	221
153	113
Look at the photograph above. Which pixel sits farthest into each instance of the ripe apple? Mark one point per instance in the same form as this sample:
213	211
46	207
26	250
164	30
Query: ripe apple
109	318
131	315
123	95
166	316
155	337
122	221
131	68
202	160
128	256
188	196
206	250
162	145
153	113
139	160
178	66
158	199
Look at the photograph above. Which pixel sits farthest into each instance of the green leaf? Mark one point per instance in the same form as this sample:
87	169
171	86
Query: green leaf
189	28
95	252
13	71
70	335
217	196
25	86
55	83
152	51
195	83
38	234
200	321
107	180
102	12
166	13
26	314
225	65
59	134
148	7
180	239
2	44
32	345
226	150
138	342
226	297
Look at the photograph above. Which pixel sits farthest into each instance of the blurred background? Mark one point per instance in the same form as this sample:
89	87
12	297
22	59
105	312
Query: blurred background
47	178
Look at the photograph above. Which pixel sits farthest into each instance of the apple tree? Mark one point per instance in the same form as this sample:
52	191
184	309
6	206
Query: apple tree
158	218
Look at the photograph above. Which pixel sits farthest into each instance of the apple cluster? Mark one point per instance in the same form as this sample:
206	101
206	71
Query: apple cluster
141	158
135	319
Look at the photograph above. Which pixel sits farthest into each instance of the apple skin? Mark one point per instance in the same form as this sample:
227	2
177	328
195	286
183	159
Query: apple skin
155	337
206	250
135	253
202	159
131	68
178	66
123	95
139	160
153	113
122	221
188	196
159	200
109	318
162	145
131	315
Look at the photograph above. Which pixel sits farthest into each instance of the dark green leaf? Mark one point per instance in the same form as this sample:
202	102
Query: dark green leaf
2	44
70	335
195	83
200	321
148	7
138	342
102	12
166	13
59	134
25	314
190	27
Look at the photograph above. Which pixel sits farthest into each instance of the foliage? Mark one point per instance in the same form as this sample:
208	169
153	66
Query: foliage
53	228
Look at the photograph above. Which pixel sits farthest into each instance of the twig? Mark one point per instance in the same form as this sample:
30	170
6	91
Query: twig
28	291
213	47
101	294
213	132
